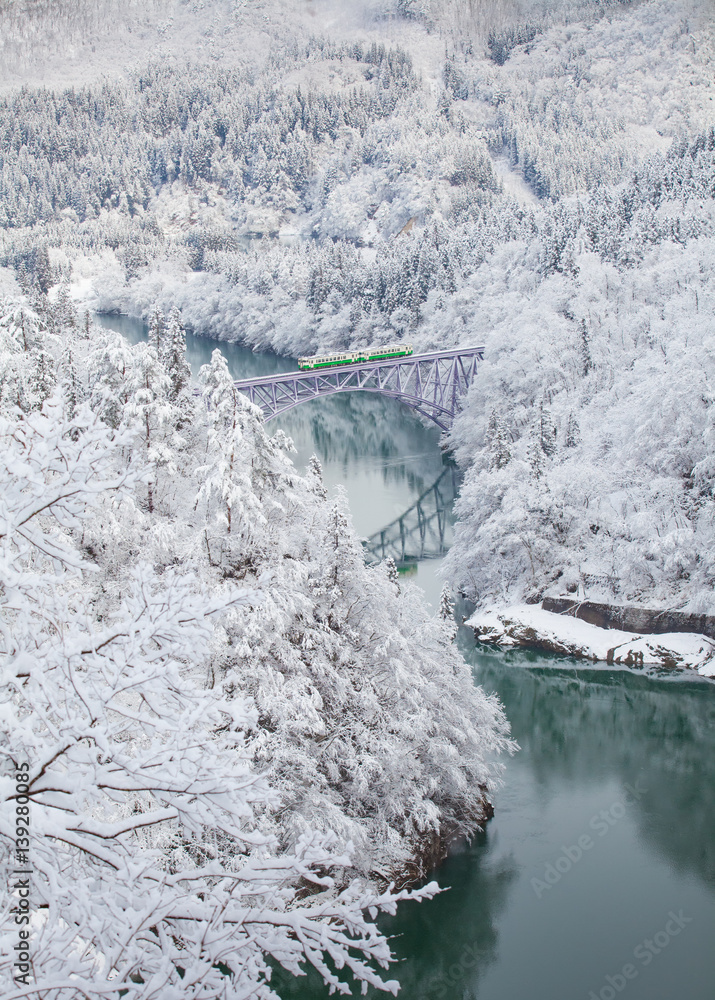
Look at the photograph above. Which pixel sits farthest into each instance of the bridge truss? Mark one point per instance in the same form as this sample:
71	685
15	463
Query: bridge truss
432	384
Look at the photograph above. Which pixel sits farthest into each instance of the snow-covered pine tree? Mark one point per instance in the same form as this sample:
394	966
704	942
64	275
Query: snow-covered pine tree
157	323
20	344
314	474
150	410
43	376
446	605
235	523
173	356
573	432
498	441
72	389
391	571
148	877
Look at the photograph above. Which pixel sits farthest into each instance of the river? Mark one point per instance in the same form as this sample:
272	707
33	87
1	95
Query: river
370	444
596	877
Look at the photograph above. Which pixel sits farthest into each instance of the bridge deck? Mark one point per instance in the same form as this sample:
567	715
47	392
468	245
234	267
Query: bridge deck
361	366
433	384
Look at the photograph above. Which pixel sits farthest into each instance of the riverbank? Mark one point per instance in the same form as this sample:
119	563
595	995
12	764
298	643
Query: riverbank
531	626
609	756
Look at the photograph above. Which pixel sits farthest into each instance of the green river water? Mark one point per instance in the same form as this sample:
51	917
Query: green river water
596	877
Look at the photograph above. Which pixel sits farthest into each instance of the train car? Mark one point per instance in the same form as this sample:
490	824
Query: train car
355	357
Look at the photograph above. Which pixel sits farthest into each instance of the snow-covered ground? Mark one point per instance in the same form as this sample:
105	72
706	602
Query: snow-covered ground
530	625
81	42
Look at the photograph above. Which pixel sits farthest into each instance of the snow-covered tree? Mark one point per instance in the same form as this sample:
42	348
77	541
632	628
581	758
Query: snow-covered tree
391	571
370	722
173	356
235	521
157	323
151	410
150	875
346	729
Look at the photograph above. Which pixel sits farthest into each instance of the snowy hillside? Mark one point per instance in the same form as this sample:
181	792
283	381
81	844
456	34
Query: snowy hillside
218	702
538	178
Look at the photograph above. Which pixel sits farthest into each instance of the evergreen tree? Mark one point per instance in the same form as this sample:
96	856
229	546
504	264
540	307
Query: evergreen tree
151	412
173	356
315	476
44	376
535	453
391	571
340	554
585	349
157	323
446	605
236	524
498	442
546	430
43	270
573	432
72	389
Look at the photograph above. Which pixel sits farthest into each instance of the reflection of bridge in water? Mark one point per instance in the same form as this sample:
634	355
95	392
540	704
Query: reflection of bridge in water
422	532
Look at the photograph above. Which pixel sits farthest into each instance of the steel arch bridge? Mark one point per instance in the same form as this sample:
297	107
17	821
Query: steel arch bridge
432	384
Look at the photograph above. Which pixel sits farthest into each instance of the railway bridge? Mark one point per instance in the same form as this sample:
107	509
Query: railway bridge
433	384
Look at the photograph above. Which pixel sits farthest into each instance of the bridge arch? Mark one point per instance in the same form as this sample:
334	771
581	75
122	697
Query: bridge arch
439	414
432	384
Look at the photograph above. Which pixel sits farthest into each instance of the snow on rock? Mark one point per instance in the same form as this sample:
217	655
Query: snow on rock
528	625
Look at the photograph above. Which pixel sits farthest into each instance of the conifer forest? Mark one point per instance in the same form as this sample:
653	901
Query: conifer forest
235	753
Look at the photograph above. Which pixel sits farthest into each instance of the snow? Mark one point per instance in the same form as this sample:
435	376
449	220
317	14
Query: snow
179	603
513	182
554	223
528	624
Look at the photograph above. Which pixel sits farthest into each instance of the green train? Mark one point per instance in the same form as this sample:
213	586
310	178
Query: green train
353	357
